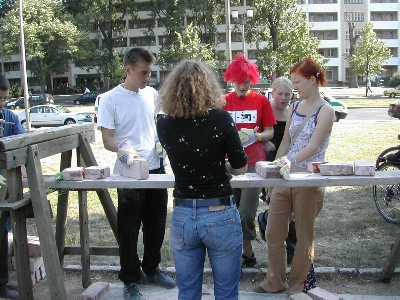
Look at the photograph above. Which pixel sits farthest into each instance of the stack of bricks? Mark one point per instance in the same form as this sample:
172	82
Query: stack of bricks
35	259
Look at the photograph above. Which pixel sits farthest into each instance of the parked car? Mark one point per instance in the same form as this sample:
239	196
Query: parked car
392	92
35	99
53	115
96	107
86	98
394	110
339	106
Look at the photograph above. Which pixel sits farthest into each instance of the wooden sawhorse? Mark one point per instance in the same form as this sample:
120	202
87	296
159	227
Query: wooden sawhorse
27	149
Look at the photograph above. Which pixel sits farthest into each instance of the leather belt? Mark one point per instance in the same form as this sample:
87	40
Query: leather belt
203	202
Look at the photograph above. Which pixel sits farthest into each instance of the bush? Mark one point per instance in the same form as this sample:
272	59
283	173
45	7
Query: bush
16	92
394	80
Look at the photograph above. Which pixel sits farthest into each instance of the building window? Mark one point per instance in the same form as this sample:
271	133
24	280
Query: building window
379	17
347	51
311	18
389	17
354	17
379	34
320	35
320	18
329	74
347	35
331	53
329	18
389	35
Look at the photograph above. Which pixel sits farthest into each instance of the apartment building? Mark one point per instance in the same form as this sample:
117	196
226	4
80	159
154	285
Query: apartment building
329	20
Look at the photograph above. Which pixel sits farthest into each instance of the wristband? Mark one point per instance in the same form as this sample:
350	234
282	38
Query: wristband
259	137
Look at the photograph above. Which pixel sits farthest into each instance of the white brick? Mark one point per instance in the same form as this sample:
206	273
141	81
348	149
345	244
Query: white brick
336	168
72	174
34	246
364	168
96	290
321	294
139	169
313	167
299	296
97	172
267	169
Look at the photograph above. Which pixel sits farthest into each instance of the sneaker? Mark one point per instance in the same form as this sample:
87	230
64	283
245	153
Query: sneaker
6	292
161	279
131	292
248	261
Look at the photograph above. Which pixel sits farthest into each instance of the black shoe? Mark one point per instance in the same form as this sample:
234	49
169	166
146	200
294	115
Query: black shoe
248	261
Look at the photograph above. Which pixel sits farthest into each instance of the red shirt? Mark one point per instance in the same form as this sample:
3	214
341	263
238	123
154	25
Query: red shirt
249	112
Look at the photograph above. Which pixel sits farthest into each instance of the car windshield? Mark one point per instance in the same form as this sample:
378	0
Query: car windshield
62	109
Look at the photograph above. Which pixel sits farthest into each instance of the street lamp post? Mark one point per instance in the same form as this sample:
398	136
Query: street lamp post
242	21
228	32
366	82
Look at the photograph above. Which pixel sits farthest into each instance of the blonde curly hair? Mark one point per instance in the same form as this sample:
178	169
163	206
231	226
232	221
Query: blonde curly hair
190	90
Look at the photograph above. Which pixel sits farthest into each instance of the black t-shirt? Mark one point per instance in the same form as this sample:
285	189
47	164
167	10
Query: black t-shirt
197	149
279	130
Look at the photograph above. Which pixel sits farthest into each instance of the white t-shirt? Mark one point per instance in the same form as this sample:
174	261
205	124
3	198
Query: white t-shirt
131	116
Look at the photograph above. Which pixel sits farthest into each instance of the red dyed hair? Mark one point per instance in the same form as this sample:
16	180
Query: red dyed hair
240	69
307	68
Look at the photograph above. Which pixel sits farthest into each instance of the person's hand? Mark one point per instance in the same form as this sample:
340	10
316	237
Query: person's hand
126	153
284	163
248	136
2	180
269	146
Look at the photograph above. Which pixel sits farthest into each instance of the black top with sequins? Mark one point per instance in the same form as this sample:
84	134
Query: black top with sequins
197	149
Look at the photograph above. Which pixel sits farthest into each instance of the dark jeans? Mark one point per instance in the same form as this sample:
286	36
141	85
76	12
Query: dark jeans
136	207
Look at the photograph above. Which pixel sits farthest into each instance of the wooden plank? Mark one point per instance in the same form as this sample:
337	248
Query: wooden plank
8	206
105	198
22	254
18	157
249	180
14	185
44	226
42	135
391	262
93	250
84	238
62	208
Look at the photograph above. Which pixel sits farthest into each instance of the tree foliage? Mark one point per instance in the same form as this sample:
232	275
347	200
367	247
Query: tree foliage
286	33
50	37
106	19
187	46
369	55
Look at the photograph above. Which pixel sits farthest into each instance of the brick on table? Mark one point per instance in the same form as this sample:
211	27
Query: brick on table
336	169
73	174
139	169
267	169
97	172
313	167
364	168
321	294
96	290
34	246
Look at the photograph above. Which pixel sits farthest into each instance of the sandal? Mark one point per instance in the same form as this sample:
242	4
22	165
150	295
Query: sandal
248	261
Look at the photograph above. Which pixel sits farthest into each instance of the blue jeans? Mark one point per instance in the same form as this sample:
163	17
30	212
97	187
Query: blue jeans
197	230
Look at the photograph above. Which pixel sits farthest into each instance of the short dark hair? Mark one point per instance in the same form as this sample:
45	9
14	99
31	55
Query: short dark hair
4	83
136	55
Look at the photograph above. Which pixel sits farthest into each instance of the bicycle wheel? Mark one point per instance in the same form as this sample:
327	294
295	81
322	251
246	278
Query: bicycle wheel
382	156
387	197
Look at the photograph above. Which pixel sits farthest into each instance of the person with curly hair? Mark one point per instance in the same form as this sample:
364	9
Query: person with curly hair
314	118
254	118
197	136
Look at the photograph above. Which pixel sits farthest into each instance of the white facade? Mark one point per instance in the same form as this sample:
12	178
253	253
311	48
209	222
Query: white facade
329	24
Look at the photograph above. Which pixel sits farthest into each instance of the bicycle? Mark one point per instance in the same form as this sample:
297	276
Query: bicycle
387	197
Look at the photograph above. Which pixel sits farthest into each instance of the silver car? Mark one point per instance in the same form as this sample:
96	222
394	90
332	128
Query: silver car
53	115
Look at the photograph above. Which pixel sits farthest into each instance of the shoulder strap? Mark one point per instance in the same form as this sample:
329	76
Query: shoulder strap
300	128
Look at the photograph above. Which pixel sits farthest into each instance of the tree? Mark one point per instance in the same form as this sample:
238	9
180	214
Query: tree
107	19
368	55
286	33
51	38
202	16
187	46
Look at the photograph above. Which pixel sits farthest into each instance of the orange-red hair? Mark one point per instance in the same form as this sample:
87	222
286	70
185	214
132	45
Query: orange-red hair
240	69
307	68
